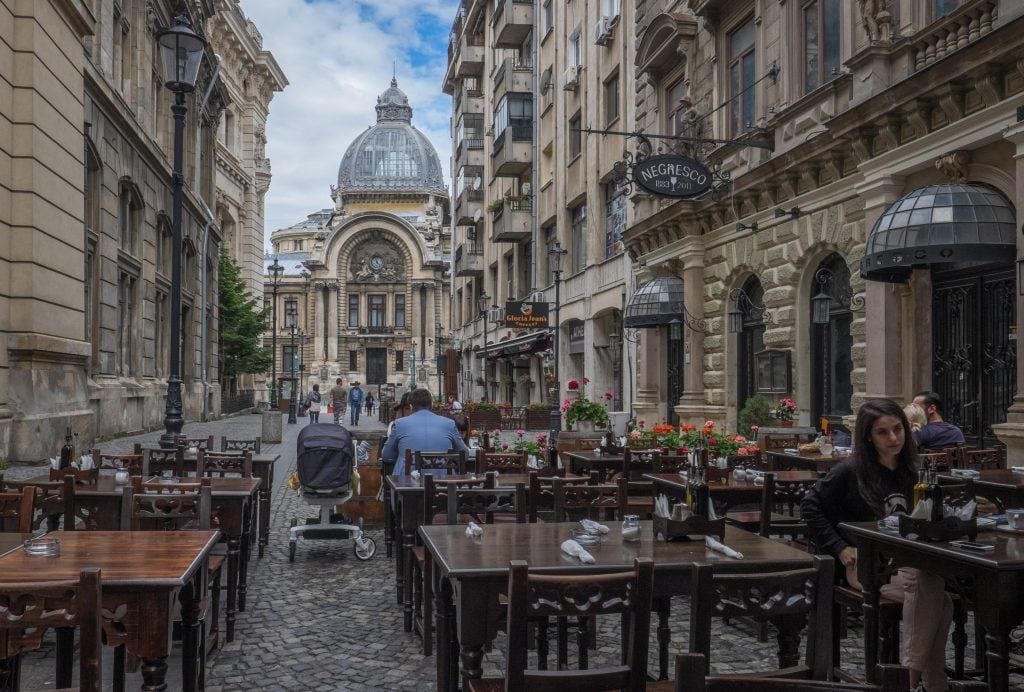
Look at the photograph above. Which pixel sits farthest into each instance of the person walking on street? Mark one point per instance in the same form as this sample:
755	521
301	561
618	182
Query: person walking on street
313	404
355	403
369	404
339	399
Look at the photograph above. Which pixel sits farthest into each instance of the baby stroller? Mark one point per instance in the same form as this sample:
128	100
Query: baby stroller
324	455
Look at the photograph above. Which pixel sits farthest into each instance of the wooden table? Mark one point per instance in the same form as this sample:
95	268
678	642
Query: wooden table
726	494
583	462
99	507
1001	484
783	461
470	575
142	573
996	579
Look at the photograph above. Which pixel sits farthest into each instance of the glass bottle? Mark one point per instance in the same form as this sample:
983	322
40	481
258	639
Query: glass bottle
67	452
702	496
935	495
921	487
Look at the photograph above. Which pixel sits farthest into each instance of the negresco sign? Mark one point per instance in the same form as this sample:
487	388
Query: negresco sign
669	175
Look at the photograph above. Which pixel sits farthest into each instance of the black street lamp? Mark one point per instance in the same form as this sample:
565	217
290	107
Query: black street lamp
181	53
293	320
482	305
275	285
555	254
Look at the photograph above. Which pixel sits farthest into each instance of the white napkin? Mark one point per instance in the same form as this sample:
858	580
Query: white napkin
1017	469
474	530
415	474
592	526
720	547
85	462
922	510
532	462
966	473
790	450
574	549
661	506
55	463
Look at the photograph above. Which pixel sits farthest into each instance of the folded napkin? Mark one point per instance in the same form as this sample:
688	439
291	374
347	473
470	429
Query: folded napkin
966	473
474	530
85	462
532	462
1017	469
415	474
893	520
592	526
722	548
661	508
574	549
791	450
54	463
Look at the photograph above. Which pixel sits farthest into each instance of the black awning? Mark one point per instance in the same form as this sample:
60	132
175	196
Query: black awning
519	346
656	303
940	224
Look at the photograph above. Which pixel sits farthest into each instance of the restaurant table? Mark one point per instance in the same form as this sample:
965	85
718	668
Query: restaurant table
996	579
724	494
583	462
408	515
785	461
995	484
142	572
471	573
99	507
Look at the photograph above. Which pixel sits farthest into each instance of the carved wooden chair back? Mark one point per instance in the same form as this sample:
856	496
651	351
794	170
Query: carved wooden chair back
796	596
485	442
200	443
28	610
671	463
16	509
435	495
452	462
133	463
514	462
252	445
783	497
87	477
166	508
160	460
52	502
983	459
957	494
540	493
635	497
777	443
942	460
627	594
483	504
637	462
690	677
587	444
573	500
211	464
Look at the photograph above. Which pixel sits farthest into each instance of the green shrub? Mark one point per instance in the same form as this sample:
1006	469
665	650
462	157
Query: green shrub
756	411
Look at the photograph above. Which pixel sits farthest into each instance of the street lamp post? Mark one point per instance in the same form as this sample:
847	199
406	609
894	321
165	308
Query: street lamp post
275	284
412	366
481	304
181	53
555	254
293	318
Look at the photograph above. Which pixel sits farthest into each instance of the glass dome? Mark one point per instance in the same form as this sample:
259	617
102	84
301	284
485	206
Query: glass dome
656	303
940	224
391	156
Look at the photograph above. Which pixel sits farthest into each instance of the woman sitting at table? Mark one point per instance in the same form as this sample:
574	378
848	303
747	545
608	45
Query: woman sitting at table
877	481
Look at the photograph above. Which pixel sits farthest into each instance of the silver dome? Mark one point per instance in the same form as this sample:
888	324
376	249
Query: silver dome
391	156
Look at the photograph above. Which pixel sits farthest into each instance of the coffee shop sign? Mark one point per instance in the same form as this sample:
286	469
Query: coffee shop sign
668	175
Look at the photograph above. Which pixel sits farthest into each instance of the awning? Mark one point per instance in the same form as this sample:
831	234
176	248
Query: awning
519	346
656	303
940	224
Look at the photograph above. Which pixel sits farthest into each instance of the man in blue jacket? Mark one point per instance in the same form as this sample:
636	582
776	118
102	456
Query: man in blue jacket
421	431
355	403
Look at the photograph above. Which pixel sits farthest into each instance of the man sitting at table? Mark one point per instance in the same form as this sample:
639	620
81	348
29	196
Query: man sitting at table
421	431
937	433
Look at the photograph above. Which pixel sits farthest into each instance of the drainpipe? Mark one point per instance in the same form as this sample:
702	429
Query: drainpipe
203	335
534	84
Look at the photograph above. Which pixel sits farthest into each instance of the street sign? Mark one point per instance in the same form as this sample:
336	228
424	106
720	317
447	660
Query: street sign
669	175
525	315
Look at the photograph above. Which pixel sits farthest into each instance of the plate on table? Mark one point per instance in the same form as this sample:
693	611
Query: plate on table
986	523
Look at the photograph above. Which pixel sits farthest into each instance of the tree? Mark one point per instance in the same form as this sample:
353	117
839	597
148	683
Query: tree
242	324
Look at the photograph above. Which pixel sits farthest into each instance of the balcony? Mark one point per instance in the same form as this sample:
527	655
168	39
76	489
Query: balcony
468	202
514	74
512	22
511	220
377	331
470	61
469	151
470	99
469	259
512	148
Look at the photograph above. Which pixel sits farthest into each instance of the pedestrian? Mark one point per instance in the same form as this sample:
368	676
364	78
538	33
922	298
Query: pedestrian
421	431
454	405
877	482
937	433
369	404
313	404
355	403
339	400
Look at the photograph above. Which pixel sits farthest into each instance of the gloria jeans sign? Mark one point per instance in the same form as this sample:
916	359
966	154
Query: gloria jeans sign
524	315
668	175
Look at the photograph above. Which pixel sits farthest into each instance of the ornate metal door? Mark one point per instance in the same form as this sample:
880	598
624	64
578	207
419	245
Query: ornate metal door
674	370
974	366
376	366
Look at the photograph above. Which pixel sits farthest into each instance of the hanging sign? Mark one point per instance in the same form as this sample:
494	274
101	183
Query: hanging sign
525	315
577	337
669	175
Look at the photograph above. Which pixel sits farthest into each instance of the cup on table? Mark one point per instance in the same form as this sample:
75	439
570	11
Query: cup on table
826	449
1015	518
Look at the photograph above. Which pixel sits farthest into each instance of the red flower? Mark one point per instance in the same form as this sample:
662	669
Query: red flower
586	380
608	396
573	385
712	441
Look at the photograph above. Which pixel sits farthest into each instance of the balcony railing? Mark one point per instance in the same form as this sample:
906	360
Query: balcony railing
962	26
376	330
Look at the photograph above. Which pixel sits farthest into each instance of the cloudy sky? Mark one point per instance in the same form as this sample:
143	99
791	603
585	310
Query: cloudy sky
338	57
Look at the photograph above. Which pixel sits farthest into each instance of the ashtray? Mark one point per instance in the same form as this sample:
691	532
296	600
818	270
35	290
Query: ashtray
42	547
584	537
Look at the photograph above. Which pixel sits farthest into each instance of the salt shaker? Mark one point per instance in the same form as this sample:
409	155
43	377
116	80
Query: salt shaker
631	527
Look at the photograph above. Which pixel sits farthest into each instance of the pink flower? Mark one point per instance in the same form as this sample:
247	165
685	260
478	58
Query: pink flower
608	396
520	433
573	385
709	424
755	428
712	441
586	380
742	451
635	435
642	423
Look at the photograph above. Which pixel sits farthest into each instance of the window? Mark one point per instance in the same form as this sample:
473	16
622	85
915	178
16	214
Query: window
124	357
550	237
611	98
162	327
399	361
353	311
122	53
579	238
353	360
576	49
291	313
614	218
611	8
510	273
163	246
944	7
289	358
375	308
575	136
188	344
676	104
188	267
129	218
514	111
229	130
821	43
742	62
400	310
547	18
470	131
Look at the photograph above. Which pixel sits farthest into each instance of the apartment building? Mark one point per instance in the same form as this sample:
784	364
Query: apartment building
526	78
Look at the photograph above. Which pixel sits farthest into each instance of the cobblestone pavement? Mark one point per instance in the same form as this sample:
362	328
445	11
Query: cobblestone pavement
329	622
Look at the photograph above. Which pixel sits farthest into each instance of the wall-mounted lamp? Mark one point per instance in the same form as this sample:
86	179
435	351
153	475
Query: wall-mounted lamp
743	308
752	226
793	213
822	302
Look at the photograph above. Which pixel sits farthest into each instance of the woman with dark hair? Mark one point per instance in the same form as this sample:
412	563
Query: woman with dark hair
876	482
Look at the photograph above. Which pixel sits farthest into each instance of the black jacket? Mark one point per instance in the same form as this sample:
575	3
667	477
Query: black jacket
836	498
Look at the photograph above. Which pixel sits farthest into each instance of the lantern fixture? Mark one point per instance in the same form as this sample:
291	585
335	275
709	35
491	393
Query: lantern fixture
181	53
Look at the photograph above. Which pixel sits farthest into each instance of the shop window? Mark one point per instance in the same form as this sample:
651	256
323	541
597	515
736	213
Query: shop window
749	342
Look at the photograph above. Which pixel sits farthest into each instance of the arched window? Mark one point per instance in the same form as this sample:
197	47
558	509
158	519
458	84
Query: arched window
831	344
749	341
129	217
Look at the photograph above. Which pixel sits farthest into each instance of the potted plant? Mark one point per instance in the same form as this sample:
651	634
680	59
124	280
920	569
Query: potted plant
662	436
581	412
483	414
756	413
785	410
534	447
538	416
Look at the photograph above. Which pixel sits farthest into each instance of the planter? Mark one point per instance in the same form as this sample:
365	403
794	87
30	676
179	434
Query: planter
785	424
584	426
537	420
484	420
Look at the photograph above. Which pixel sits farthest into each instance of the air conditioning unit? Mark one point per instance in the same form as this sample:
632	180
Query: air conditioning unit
571	78
496	315
603	31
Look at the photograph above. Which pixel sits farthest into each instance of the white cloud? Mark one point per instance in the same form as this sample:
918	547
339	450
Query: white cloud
338	56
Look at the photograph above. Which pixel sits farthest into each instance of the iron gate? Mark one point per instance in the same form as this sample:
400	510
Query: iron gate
376	366
674	370
974	366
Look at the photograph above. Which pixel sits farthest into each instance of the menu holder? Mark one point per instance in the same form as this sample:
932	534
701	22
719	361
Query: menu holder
87	477
713	474
948	529
692	526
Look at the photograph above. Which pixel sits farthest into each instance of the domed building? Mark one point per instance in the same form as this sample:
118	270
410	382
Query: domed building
367	281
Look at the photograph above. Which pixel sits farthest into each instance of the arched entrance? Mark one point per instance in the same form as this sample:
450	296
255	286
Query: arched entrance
749	341
831	343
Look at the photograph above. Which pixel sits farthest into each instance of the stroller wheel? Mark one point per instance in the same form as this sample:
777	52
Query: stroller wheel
364	547
291	551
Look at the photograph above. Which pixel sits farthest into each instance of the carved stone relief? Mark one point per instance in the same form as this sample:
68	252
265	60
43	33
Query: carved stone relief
377	261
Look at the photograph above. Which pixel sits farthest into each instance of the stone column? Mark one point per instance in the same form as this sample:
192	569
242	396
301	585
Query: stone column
317	320
692	405
1011	433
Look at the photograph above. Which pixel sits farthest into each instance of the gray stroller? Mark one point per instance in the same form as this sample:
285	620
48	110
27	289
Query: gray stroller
324	456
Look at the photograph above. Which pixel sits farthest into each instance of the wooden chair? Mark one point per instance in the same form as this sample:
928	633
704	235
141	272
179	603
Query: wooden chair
982	459
590	501
691	677
451	462
671	463
941	460
227	445
87	477
483	505
533	596
780	499
505	463
28	610
133	463
539	493
211	464
16	509
777	443
637	462
52	502
200	443
160	460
